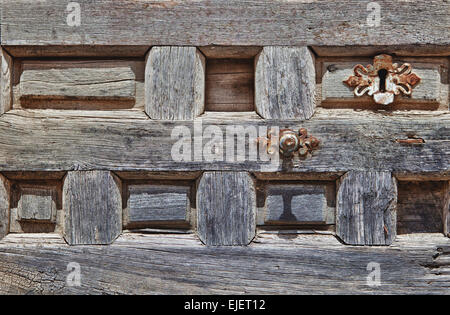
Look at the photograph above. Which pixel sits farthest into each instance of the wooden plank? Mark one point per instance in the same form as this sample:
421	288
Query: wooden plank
175	83
285	83
430	93
78	51
232	52
79	84
226	205
150	202
129	141
366	208
420	207
218	22
373	50
446	210
300	203
5	197
163	264
93	205
230	85
6	64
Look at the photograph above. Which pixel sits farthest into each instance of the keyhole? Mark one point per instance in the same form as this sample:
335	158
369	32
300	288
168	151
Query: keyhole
382	74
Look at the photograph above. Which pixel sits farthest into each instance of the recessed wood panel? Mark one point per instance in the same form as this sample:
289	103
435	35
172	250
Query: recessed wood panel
148	203
72	84
421	207
230	85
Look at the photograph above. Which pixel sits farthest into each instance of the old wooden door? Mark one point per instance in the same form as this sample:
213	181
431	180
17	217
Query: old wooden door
224	146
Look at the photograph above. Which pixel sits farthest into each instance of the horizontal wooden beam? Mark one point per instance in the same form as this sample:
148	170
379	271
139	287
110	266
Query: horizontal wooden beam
233	22
180	264
129	140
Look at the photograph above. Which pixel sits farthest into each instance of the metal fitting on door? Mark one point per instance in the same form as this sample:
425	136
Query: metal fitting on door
383	80
291	142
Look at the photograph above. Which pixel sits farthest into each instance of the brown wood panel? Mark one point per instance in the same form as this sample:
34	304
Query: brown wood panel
230	85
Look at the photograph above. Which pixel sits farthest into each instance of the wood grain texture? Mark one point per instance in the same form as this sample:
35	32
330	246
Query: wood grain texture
93	207
148	203
430	93
37	204
5	81
230	85
175	83
5	198
180	264
80	84
230	52
285	83
420	207
304	203
226	208
233	22
366	208
446	210
126	141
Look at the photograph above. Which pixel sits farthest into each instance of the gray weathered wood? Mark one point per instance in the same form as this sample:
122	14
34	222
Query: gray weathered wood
126	140
157	203
446	210
85	81
92	203
37	203
432	91
5	197
180	264
232	22
300	203
175	83
226	208
5	81
285	83
420	206
366	208
230	85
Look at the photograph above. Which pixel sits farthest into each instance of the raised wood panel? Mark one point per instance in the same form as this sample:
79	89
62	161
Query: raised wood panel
175	83
71	84
92	203
233	22
431	93
226	208
421	207
285	83
294	203
37	204
130	141
6	66
366	208
230	85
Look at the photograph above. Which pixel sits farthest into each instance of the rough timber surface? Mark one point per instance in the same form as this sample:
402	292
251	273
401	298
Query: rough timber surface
179	264
232	22
121	140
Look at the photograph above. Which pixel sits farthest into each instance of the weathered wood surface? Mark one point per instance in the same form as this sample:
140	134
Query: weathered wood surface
80	84
175	83
432	91
285	83
5	81
5	198
420	207
121	140
92	203
233	22
230	85
276	264
148	203
366	205
300	203
37	203
226	208
230	52
446	210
